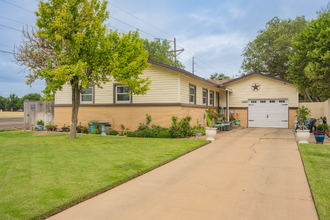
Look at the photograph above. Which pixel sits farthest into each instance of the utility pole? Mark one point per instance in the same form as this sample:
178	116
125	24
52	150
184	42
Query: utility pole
193	65
175	50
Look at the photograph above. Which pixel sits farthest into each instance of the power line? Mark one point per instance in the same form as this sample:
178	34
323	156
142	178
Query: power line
10	28
6	45
133	26
14	20
165	33
2	51
18	6
140	19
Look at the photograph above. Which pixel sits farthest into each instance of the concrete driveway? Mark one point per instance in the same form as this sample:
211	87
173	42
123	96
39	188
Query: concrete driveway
246	174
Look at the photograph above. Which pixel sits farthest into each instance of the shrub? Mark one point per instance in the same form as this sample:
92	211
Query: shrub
95	131
113	132
164	134
93	122
184	125
130	134
143	127
151	133
125	132
122	127
51	127
232	119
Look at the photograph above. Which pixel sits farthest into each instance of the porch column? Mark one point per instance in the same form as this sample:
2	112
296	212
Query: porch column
227	105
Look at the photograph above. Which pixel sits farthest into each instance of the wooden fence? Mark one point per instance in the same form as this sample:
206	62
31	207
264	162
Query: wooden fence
36	110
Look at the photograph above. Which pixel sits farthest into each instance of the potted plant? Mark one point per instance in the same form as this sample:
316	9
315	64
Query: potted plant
238	122
40	124
319	136
232	119
302	131
211	117
50	127
93	124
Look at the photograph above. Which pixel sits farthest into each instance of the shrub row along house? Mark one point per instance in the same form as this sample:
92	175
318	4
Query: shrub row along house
257	100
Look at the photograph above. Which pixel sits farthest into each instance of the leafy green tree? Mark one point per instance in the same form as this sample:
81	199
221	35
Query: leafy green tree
85	52
30	97
311	55
3	101
269	52
12	101
219	75
160	51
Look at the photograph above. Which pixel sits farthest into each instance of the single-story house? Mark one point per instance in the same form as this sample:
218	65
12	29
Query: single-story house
257	100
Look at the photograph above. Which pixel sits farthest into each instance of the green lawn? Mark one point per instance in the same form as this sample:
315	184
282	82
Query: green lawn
316	158
41	175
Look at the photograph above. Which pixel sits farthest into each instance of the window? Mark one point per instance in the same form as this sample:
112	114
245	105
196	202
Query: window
253	101
211	98
262	101
282	101
122	94
87	95
192	94
272	101
204	96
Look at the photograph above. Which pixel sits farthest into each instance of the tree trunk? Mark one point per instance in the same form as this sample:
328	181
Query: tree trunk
75	108
308	96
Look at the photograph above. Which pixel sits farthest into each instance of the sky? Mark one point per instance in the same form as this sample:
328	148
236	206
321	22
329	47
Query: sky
214	32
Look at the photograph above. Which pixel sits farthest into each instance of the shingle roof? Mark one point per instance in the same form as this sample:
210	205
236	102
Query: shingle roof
220	82
174	69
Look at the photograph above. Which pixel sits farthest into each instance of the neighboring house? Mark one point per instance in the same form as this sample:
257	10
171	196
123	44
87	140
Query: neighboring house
259	100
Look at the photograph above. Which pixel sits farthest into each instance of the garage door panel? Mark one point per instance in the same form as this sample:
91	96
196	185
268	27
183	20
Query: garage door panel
268	113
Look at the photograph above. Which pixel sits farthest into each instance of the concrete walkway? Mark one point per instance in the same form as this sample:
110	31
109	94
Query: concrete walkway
246	174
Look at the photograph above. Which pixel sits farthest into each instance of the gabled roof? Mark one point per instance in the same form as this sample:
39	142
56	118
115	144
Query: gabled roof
177	70
220	81
256	74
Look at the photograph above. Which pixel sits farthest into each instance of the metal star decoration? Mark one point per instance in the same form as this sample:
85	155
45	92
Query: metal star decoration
255	87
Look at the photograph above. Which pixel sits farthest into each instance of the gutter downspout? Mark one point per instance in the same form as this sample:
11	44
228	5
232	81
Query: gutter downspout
227	104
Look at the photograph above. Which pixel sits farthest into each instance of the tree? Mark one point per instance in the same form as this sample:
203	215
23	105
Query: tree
30	97
160	51
12	101
219	75
3	101
84	52
269	52
311	56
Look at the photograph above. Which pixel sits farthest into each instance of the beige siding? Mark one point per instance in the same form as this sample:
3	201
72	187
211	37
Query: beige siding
105	95
163	89
317	108
269	89
184	90
64	96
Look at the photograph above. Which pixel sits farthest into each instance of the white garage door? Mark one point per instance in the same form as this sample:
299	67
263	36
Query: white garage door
268	113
